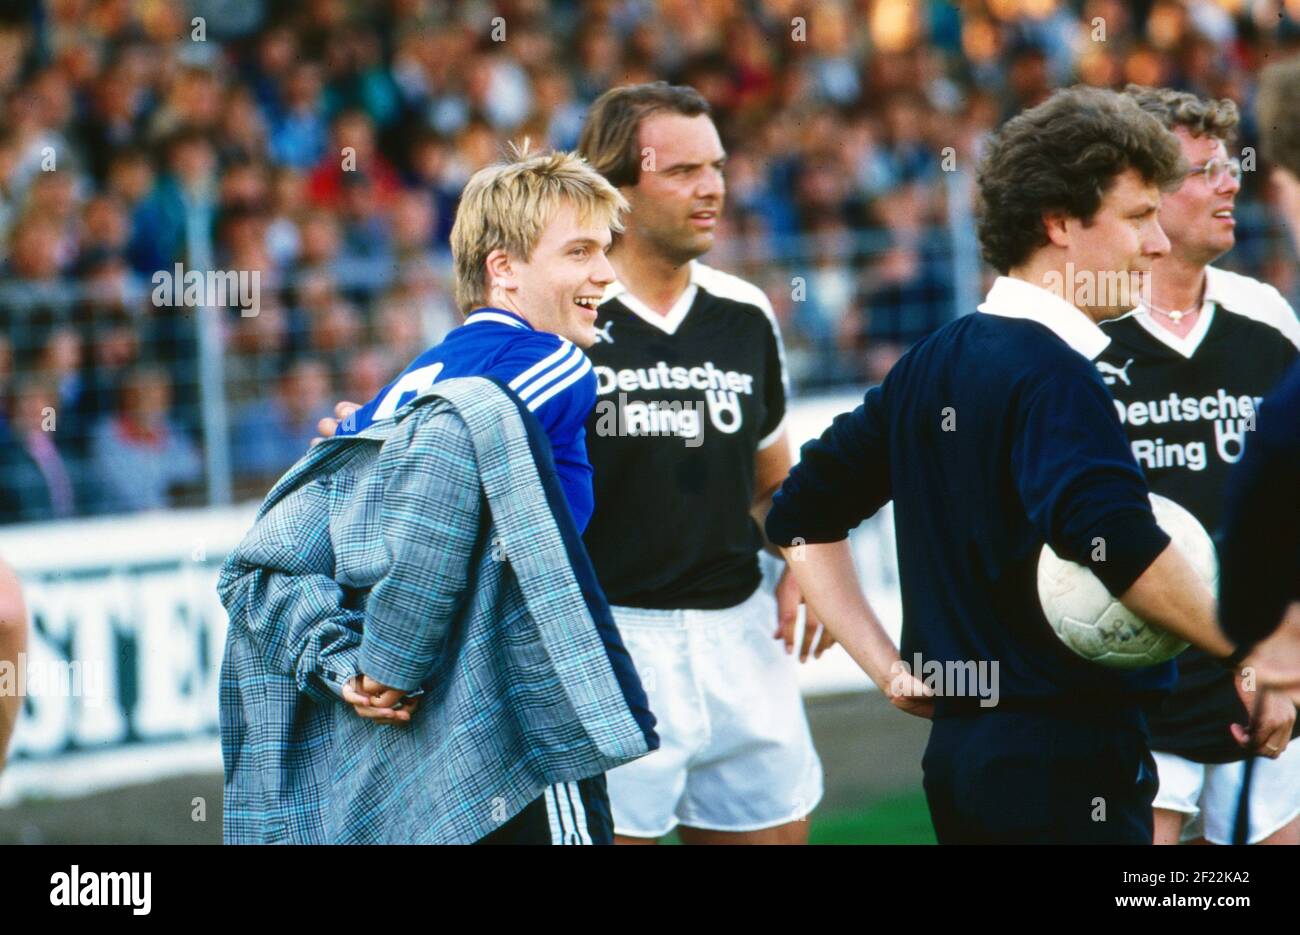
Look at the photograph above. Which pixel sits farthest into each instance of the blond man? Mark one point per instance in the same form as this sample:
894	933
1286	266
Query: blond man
529	698
529	248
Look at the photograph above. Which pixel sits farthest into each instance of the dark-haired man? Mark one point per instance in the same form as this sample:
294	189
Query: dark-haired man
994	436
677	527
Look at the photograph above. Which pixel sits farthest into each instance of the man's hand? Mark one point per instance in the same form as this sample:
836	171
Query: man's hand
327	426
908	693
788	599
1276	661
375	701
1272	715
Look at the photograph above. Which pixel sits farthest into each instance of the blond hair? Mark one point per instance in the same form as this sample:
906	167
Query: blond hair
507	205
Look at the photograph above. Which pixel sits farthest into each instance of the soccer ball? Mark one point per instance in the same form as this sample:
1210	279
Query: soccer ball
1093	623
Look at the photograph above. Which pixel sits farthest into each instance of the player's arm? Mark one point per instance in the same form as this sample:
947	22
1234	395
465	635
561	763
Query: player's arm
1088	500
772	459
293	615
13	642
841	479
771	465
429	521
1170	594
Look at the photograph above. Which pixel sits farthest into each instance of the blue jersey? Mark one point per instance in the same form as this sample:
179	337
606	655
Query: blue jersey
552	376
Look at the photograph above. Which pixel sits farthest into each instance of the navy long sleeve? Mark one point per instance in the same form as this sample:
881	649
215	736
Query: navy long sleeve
1260	552
992	437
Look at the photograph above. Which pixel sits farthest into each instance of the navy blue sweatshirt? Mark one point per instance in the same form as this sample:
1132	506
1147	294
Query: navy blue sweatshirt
991	436
1260	552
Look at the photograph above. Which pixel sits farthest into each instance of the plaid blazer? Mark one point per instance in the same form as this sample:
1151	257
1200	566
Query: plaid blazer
433	551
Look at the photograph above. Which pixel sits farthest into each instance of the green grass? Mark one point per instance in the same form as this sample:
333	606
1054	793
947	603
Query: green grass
897	819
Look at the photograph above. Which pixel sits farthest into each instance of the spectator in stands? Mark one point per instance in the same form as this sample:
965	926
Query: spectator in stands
269	435
174	134
138	455
182	203
352	149
257	351
299	131
61	362
36	481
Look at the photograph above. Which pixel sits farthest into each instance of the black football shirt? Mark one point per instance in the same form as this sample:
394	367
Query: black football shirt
1187	405
684	402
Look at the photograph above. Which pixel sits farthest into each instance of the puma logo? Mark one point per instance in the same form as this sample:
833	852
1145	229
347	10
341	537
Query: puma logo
1109	373
602	334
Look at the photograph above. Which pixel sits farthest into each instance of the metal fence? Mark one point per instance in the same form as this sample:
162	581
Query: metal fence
201	386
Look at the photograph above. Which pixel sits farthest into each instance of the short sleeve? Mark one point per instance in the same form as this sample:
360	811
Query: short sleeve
776	380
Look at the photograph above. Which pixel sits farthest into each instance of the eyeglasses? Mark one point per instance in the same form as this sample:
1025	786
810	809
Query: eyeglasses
1214	170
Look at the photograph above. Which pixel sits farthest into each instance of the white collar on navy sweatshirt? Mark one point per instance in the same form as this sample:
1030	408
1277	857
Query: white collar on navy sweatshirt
499	315
1015	298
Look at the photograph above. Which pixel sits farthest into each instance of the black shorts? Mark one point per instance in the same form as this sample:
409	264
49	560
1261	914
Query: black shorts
565	813
1028	777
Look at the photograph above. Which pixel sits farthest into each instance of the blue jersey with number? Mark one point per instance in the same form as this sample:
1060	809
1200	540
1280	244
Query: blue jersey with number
552	376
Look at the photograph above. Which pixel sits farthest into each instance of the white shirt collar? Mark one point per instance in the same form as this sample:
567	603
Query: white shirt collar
500	316
676	315
1015	298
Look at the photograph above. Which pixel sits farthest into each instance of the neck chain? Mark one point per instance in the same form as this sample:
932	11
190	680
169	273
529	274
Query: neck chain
1175	316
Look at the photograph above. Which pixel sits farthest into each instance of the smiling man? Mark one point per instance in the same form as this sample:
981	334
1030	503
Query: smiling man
545	276
679	502
424	567
1187	368
994	436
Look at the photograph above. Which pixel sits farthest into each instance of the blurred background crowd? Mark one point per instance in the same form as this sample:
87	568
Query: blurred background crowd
137	134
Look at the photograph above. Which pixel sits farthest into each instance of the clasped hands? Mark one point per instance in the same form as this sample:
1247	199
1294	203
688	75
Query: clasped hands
377	702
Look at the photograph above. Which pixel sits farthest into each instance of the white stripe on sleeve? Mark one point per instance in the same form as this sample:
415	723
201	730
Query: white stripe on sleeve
535	385
562	385
541	365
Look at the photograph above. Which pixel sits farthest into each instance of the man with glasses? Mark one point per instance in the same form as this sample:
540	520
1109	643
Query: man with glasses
1187	368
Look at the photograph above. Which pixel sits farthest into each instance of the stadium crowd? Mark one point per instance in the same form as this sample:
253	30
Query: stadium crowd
324	144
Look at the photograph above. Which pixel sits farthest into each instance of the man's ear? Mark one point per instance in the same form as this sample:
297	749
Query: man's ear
500	271
1054	224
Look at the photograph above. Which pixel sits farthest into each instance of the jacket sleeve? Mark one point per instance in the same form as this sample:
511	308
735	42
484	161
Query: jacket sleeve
277	592
430	523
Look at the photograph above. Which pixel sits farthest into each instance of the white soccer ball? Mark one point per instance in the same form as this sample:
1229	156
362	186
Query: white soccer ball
1092	622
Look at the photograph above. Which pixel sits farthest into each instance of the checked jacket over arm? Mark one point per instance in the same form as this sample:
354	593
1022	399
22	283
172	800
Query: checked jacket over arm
435	551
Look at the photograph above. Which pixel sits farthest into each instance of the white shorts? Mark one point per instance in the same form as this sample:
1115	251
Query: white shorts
735	751
1208	792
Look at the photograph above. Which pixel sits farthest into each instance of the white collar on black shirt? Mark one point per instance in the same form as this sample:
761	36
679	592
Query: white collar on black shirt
1015	298
676	315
